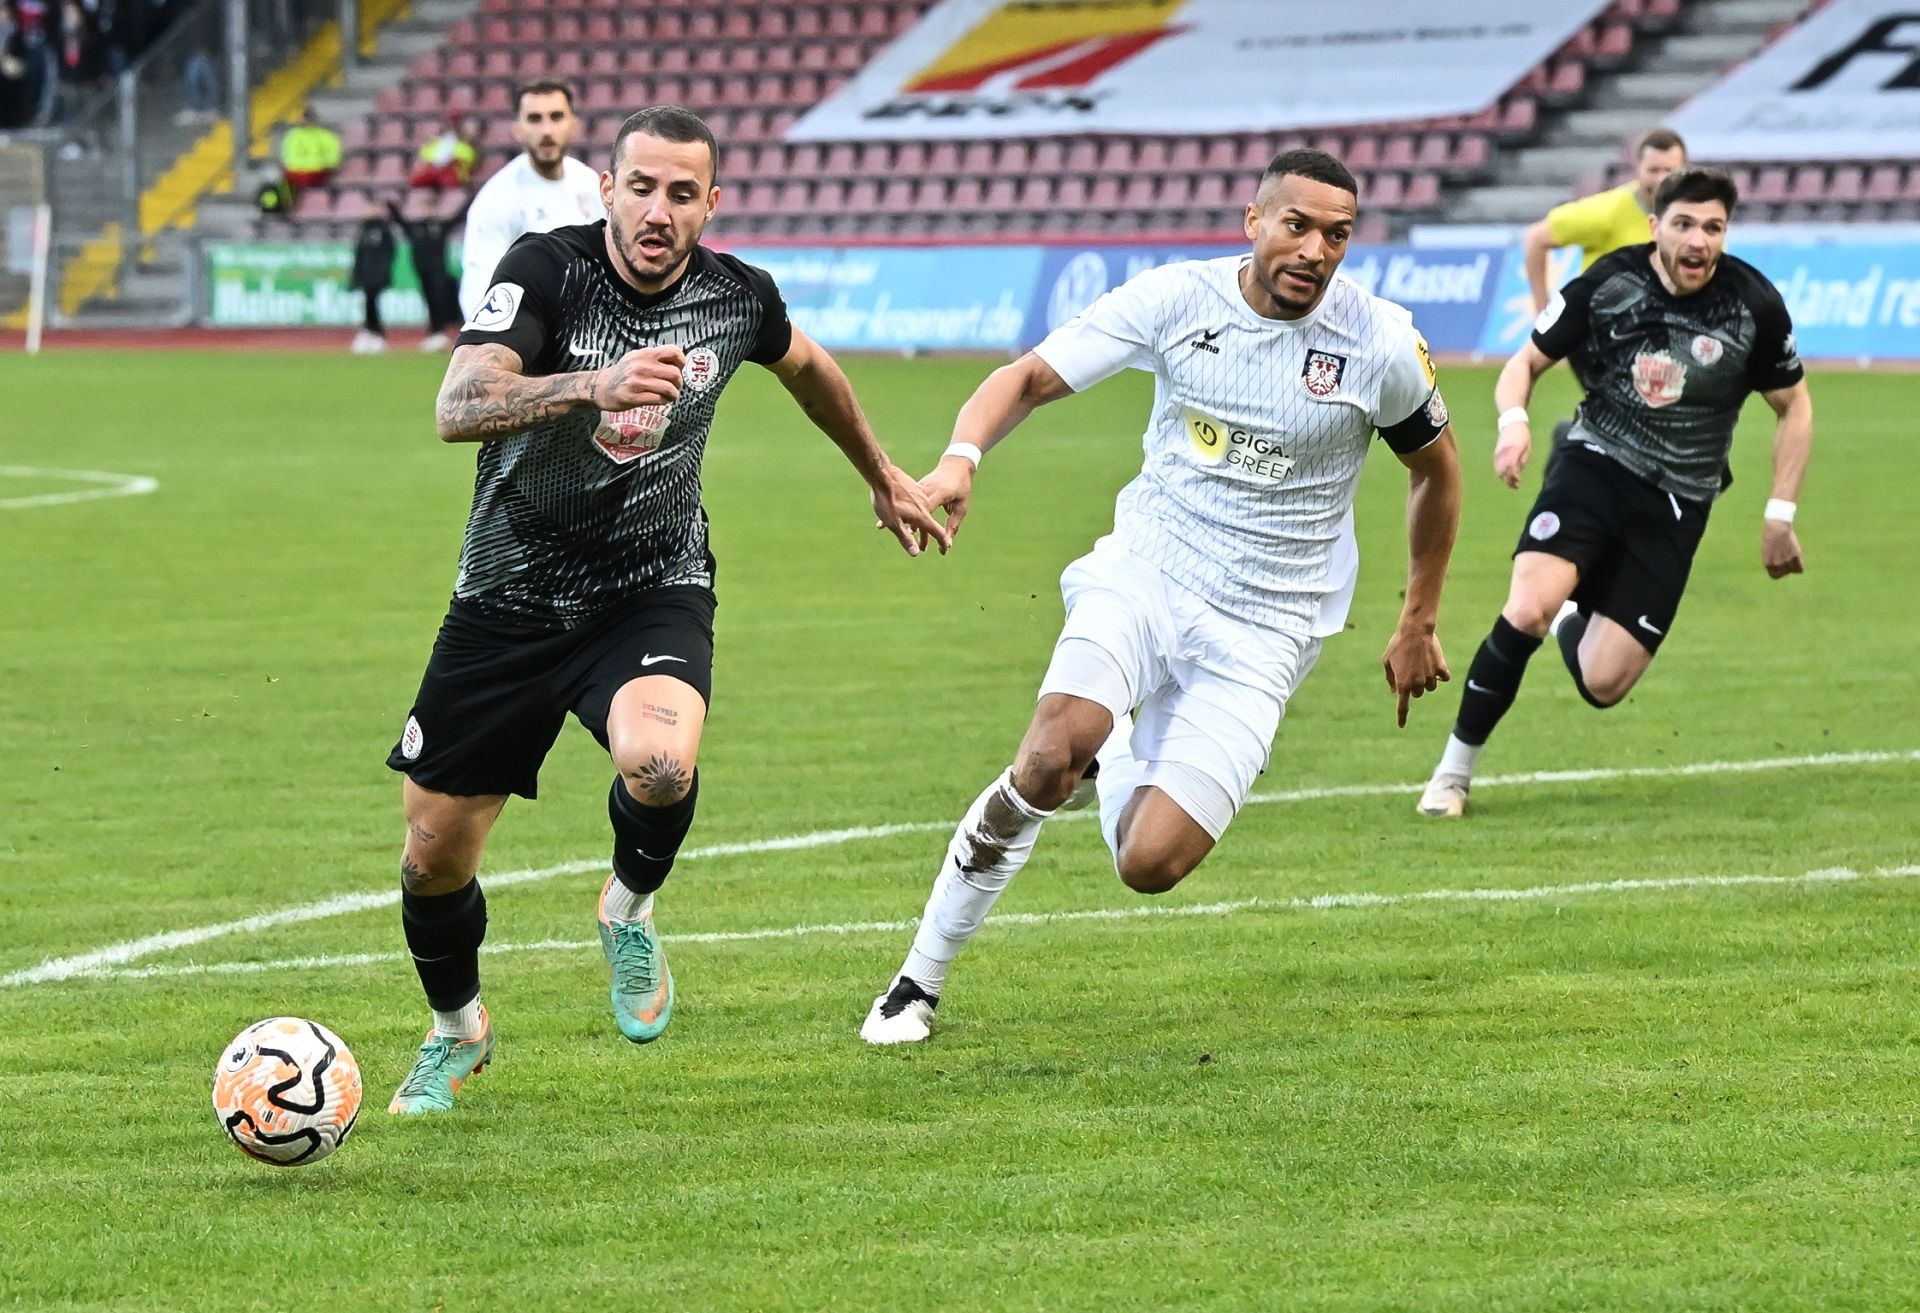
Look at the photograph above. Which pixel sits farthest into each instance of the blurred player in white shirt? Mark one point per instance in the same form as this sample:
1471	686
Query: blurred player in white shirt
1189	627
543	189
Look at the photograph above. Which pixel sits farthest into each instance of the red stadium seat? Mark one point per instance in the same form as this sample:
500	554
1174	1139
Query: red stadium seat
1848	184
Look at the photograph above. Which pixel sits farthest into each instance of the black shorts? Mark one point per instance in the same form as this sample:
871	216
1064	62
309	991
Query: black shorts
1632	543
496	693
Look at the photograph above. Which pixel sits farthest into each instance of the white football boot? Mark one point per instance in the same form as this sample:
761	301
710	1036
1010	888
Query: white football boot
902	1015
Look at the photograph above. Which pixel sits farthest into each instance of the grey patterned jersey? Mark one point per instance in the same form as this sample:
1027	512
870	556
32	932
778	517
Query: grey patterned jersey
575	515
1665	375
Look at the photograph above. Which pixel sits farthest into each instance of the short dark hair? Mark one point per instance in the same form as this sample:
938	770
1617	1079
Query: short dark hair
669	123
1313	165
1690	186
542	87
1659	139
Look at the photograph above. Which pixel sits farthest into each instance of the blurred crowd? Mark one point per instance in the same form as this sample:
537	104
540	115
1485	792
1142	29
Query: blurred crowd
52	50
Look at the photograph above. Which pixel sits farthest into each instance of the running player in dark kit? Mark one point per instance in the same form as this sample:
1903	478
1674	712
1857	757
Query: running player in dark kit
589	375
1669	339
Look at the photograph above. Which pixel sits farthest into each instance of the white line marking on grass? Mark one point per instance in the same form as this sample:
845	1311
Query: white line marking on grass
113	955
111	485
1311	903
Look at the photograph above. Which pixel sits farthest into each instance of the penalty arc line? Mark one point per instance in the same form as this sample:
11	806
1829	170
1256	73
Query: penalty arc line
66	968
1309	903
112	485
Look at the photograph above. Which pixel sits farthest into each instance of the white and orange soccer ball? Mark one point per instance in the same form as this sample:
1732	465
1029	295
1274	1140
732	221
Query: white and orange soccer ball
287	1091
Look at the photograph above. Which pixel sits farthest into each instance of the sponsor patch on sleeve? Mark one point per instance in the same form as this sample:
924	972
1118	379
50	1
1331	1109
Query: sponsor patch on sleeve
1550	316
499	310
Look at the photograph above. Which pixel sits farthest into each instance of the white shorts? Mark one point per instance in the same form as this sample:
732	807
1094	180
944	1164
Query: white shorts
1207	689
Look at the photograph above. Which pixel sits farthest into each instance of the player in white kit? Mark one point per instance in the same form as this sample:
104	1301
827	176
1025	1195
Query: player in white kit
543	189
1232	554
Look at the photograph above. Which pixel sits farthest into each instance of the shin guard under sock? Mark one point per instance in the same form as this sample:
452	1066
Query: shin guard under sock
1493	680
647	839
444	933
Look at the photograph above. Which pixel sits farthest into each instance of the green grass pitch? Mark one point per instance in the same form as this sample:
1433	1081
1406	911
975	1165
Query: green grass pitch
1646	1096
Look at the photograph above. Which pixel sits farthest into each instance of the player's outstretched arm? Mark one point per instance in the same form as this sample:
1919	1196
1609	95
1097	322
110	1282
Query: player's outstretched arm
1535	242
1414	663
1511	392
485	395
1004	398
815	380
1792	444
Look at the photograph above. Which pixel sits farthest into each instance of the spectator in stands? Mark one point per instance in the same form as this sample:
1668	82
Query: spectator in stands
1605	221
372	274
448	158
76	51
309	153
426	231
16	99
200	90
541	190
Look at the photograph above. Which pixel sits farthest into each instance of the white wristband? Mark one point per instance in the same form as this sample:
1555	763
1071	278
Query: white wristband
1778	508
1514	415
965	451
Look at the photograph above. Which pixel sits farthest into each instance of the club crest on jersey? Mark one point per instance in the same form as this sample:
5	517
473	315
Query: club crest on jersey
1322	372
702	368
1658	378
625	436
1544	526
1437	410
1707	349
412	740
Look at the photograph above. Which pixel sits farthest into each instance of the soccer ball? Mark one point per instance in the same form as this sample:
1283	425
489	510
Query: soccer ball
287	1091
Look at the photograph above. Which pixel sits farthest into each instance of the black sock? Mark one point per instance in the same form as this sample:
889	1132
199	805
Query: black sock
1571	631
646	839
1492	681
444	932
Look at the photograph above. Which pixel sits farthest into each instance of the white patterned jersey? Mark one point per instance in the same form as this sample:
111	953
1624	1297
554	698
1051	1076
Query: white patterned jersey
515	201
1259	428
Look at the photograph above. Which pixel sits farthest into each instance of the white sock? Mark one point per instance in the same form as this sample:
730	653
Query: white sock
464	1023
1459	758
992	843
625	906
1121	773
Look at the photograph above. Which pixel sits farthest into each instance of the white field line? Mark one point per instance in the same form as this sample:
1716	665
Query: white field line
109	485
115	955
1315	902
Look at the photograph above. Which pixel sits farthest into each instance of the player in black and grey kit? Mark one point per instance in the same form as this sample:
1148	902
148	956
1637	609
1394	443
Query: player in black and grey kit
590	375
1668	339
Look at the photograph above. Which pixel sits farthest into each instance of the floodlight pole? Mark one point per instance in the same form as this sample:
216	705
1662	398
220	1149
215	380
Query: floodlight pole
349	35
128	84
239	92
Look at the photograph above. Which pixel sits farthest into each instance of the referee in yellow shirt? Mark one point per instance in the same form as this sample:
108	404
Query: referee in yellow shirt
1605	221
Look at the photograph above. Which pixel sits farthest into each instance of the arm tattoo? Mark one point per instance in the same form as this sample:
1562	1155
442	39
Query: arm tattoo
486	396
663	779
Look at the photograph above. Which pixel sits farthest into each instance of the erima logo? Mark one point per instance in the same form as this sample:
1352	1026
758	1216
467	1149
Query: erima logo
1205	342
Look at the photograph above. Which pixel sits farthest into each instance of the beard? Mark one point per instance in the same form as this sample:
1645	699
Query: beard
1671	263
675	258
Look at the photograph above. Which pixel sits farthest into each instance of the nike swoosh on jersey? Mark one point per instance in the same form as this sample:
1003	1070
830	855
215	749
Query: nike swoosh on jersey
651	660
1642	622
581	351
1477	688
